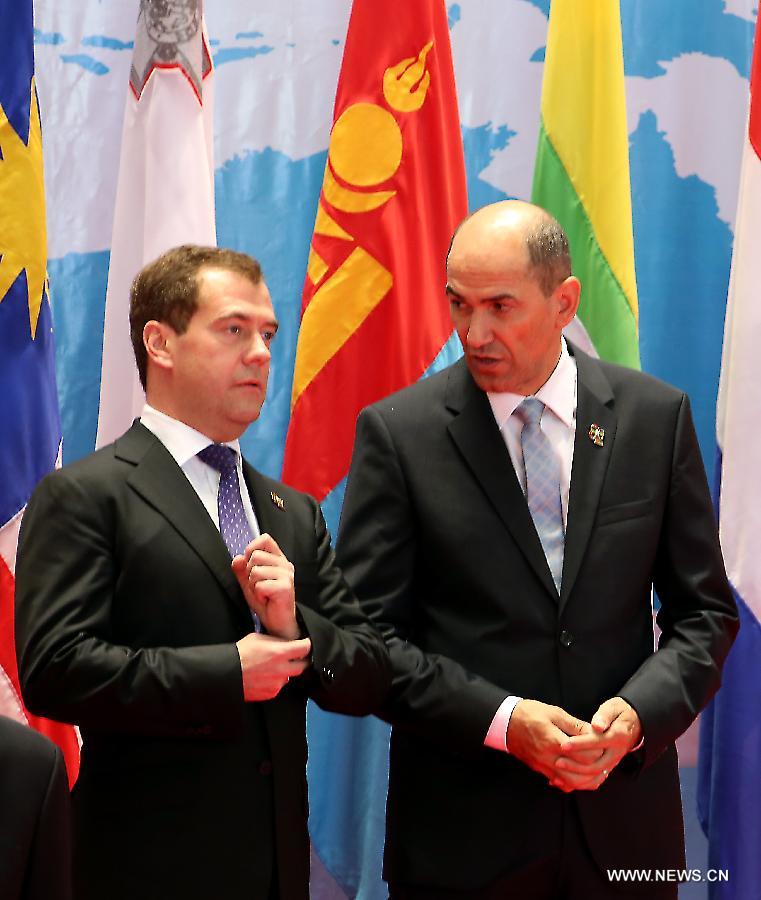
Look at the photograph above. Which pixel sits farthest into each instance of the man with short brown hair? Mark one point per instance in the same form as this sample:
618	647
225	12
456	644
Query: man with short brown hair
180	607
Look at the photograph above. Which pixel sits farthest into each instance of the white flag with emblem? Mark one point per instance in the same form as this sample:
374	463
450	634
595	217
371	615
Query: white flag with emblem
165	191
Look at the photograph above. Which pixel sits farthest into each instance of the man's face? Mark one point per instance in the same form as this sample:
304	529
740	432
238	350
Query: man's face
220	364
510	331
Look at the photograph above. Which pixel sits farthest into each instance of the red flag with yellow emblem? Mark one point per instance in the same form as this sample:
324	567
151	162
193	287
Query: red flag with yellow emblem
374	315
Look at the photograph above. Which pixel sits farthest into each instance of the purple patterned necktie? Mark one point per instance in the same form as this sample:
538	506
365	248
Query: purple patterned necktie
542	485
233	523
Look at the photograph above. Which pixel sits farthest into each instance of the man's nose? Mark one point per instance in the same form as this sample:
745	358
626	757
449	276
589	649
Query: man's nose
258	349
479	330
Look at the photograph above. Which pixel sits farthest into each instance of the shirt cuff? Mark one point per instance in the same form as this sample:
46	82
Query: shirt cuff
496	736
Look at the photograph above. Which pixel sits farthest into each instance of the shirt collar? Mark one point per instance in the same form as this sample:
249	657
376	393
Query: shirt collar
558	393
182	441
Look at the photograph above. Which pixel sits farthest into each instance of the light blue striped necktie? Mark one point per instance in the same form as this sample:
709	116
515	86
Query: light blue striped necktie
542	485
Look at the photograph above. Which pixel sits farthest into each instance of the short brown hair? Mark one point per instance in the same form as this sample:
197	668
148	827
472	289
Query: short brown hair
167	290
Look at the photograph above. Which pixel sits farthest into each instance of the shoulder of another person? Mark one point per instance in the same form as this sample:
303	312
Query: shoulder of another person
26	746
409	406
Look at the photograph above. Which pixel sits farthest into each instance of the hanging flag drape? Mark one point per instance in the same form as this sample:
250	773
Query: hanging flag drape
165	191
374	315
30	433
729	782
581	173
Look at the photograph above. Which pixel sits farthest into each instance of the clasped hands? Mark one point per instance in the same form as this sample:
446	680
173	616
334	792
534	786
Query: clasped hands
573	755
269	661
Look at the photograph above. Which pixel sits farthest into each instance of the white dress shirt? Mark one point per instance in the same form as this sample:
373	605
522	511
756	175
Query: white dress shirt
558	423
184	442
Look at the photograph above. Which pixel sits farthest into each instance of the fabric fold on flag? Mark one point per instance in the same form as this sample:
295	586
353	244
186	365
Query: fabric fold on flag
165	189
30	435
581	173
729	762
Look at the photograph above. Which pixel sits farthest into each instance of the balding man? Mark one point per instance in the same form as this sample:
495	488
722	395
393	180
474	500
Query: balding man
505	523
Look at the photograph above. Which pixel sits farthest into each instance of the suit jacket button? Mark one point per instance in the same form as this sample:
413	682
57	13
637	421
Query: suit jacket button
265	767
566	638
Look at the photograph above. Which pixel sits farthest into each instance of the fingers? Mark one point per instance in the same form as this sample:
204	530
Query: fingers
268	663
569	724
265	542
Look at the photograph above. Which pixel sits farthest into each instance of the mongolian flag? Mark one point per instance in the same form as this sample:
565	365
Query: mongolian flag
375	317
374	313
581	174
30	431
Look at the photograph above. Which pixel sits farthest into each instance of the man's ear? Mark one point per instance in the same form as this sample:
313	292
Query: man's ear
567	294
156	338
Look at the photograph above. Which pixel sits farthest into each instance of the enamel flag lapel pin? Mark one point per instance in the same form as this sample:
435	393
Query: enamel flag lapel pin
596	435
277	500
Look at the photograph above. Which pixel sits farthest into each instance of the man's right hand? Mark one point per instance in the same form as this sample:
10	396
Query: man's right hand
268	662
535	735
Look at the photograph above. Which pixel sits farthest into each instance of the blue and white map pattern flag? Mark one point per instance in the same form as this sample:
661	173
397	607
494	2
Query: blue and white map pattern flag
165	192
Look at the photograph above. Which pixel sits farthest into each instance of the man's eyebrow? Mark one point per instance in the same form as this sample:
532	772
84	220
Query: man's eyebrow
246	317
451	292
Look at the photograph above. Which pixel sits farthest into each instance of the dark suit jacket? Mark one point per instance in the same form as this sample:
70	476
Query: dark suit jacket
35	818
127	614
438	543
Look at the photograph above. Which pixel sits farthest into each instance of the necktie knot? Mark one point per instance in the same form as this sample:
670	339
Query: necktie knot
219	457
530	410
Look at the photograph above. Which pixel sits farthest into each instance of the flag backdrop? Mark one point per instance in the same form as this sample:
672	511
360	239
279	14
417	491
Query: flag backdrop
730	749
276	67
374	320
165	193
582	168
30	431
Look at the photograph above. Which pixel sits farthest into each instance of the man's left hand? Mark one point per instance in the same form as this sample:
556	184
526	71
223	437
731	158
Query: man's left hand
616	730
266	578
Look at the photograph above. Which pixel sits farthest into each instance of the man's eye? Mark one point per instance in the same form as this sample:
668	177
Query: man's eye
268	336
233	329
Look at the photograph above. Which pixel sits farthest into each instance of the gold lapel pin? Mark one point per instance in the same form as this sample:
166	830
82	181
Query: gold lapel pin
596	435
277	500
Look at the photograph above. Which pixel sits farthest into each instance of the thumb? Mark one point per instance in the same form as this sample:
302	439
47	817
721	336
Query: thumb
606	714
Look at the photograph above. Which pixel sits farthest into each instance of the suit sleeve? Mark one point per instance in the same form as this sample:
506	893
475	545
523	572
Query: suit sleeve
349	656
432	695
71	666
698	617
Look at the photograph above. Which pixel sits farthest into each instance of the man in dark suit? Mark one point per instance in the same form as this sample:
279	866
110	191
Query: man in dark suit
35	822
504	524
180	607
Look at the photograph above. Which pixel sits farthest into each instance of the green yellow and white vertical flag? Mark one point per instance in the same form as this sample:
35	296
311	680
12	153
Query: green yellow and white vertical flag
581	174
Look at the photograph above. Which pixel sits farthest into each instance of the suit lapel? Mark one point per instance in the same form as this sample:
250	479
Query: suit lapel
272	518
162	484
594	407
477	437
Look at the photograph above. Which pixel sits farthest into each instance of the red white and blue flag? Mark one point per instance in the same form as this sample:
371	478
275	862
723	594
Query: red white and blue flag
30	431
730	751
